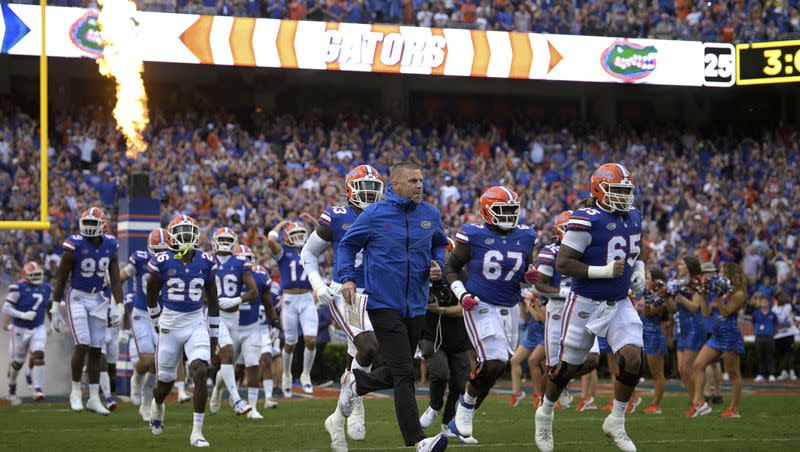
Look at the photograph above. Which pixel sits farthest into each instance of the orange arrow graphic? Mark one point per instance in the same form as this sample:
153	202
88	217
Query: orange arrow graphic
521	55
196	39
555	57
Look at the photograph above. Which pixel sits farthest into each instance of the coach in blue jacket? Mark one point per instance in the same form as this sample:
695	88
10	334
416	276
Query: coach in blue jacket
403	246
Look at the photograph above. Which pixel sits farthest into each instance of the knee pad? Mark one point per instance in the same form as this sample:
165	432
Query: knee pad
560	374
625	377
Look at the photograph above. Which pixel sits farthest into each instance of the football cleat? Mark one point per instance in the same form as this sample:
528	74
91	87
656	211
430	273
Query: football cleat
436	443
242	407
334	425
462	422
183	397
698	409
75	401
14	400
38	394
270	405
565	399
156	418
585	404
356	429
446	431
347	395
428	417
731	413
653	409
544	430
197	440
96	406
144	412
516	398
467	440
614	428
254	414
305	380
111	404
214	400
286	386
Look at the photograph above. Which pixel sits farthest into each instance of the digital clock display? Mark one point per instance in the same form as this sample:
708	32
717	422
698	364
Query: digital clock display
768	62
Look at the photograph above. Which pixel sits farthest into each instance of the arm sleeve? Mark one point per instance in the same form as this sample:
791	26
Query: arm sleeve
311	251
353	241
130	269
11	311
13	294
577	240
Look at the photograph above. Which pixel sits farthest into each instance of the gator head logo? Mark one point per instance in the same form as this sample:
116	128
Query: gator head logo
627	61
85	34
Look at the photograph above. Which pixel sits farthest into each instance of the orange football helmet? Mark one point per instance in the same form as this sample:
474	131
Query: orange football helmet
224	240
92	222
246	251
612	186
183	232
364	186
295	234
158	241
560	224
500	207
450	245
33	273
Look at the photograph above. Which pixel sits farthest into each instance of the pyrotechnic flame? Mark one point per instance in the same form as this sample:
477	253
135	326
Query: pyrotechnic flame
121	60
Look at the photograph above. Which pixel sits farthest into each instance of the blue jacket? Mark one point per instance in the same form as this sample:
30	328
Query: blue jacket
399	239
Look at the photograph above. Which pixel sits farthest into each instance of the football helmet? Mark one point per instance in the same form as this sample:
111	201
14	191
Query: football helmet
450	245
244	250
184	233
33	273
295	234
158	241
500	207
92	222
364	186
560	224
224	240
612	186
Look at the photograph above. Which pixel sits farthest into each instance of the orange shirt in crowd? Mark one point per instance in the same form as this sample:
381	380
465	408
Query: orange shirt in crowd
297	10
468	11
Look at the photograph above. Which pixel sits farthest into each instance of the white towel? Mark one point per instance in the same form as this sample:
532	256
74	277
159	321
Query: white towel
600	319
354	313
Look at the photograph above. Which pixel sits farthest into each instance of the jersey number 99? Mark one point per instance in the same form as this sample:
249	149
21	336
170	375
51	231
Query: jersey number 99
90	267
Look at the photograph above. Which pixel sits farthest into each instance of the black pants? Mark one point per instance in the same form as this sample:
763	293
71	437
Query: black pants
785	348
398	338
765	352
446	369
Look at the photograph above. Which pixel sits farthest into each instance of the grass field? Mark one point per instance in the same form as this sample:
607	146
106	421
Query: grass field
769	423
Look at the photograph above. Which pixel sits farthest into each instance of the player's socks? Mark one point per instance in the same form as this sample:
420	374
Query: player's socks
105	384
619	408
12	373
470	399
197	423
252	396
267	389
94	390
148	383
76	387
308	360
355	365
180	386
548	405
230	381
286	359
12	390
37	376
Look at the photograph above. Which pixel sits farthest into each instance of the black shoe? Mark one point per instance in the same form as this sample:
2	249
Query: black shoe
716	400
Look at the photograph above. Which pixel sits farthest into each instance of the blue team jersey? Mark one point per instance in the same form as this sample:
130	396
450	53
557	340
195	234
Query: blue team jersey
293	275
182	285
546	263
31	298
230	275
497	262
91	261
338	219
139	260
249	311
613	236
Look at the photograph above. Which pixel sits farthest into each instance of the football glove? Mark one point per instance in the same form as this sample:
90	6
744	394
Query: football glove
228	303
325	294
468	302
532	275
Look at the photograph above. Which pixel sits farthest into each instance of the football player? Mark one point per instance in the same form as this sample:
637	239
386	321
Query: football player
144	335
364	186
235	285
26	303
178	280
499	256
600	251
87	258
298	301
249	338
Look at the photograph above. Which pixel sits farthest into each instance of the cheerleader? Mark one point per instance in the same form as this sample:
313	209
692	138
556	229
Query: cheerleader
652	310
690	334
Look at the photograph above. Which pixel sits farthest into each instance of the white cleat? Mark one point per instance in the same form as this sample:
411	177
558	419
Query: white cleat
614	428
544	430
469	440
305	380
197	440
254	414
15	401
286	386
144	412
436	443
270	405
156	418
461	424
356	428
111	404
565	399
446	432
38	395
242	407
96	406
347	395
428	417
75	401
183	397
214	400
136	392
334	425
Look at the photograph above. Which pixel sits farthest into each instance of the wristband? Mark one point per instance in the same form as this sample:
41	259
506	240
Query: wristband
458	289
213	326
154	312
274	235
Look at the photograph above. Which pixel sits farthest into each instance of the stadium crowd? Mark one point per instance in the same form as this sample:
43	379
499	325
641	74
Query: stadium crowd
721	196
718	20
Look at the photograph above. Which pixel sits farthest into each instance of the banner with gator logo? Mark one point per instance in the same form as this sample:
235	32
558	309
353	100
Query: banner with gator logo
188	38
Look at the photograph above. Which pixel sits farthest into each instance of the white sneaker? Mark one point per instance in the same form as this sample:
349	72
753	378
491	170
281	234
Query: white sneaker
242	407
436	443
183	397
347	395
614	428
197	440
772	378
356	428
783	376
269	404
75	401
467	440
95	405
156	418
136	392
565	399
38	395
214	400
544	430
15	401
305	380
286	386
144	412
462	422
760	378
428	417
254	414
446	432
792	375
334	425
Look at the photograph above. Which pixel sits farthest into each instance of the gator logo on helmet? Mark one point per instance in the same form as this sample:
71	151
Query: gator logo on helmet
628	61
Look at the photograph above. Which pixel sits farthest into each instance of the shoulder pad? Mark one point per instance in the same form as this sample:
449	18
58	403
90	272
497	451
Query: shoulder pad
581	219
14	287
464	232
